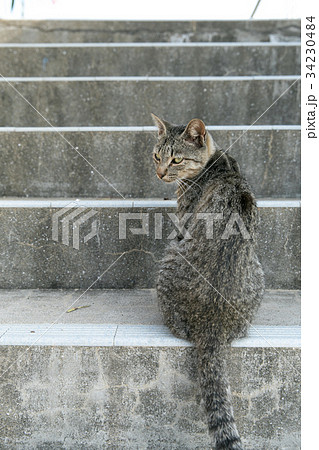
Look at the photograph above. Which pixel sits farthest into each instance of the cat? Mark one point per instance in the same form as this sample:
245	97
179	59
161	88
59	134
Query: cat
208	289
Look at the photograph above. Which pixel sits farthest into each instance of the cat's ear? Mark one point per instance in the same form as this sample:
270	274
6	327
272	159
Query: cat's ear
161	124
195	132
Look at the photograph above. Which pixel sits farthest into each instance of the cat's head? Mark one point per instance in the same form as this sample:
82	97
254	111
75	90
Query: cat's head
181	152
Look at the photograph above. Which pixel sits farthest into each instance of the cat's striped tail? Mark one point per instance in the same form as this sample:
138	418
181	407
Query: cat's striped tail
217	397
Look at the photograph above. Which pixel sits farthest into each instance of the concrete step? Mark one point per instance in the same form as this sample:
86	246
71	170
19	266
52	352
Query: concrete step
128	101
116	377
121	307
146	59
38	162
149	31
37	251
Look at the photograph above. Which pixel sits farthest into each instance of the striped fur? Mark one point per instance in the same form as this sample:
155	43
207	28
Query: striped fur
209	289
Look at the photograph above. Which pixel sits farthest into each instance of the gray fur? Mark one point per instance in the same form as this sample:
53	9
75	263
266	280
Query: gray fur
208	289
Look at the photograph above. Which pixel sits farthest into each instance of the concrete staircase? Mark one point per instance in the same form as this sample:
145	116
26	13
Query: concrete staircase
75	147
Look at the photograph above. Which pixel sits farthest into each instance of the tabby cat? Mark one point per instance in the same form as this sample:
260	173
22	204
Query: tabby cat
209	285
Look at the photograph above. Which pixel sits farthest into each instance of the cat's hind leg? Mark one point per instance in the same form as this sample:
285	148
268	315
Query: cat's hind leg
171	300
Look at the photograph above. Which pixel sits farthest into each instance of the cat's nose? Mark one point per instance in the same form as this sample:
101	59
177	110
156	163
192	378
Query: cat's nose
161	172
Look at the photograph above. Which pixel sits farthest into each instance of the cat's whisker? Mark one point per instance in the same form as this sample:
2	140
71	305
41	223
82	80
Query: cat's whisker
190	185
185	185
193	182
183	182
181	185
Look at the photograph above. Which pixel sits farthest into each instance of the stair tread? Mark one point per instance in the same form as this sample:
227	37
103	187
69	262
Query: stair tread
94	335
292	77
146	44
145	128
39	202
126	318
122	306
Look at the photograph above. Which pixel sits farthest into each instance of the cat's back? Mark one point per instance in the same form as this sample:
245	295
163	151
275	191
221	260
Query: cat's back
221	191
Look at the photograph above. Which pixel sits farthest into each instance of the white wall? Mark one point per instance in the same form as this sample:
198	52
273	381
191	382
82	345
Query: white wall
145	10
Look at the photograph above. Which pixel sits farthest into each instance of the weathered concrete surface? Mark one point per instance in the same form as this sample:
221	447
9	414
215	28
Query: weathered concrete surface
122	306
31	259
43	164
109	102
141	398
149	31
150	60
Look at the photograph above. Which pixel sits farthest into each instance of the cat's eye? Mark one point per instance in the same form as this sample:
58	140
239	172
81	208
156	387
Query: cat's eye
157	157
177	160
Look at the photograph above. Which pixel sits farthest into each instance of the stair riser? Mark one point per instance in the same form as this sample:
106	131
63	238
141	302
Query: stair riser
32	259
90	398
148	31
151	61
130	102
269	159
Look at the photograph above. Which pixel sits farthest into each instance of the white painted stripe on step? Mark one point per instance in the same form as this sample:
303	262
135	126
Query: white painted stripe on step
252	127
267	203
154	203
108	335
150	44
145	128
62	203
284	203
265	336
79	335
119	203
151	79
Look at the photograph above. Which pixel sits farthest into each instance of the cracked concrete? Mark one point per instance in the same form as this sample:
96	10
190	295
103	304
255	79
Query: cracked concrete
151	390
31	259
148	31
63	170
